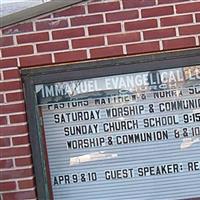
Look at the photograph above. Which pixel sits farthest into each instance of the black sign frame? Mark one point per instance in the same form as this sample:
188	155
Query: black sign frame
85	70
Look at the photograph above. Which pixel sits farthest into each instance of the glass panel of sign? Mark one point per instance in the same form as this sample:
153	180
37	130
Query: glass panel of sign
130	136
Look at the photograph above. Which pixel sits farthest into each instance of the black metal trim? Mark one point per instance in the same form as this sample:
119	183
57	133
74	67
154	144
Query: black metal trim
36	142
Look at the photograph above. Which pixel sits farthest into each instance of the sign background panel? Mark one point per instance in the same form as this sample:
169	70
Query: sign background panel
131	156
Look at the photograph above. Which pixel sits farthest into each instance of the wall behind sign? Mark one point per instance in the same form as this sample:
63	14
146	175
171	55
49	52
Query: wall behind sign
86	31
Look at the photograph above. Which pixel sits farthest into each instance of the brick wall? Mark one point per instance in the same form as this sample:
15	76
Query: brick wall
86	31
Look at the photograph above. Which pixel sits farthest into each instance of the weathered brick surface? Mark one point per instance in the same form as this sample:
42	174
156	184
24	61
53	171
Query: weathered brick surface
103	7
138	3
143	47
110	51
103	29
73	11
35	37
6	163
11	74
179	43
70	56
6	186
19	195
141	25
6	41
9	86
23	27
162	33
21	162
92	30
51	24
85	20
176	20
88	42
17	51
52	46
124	38
68	33
35	60
14	96
155	12
6	63
122	15
25	184
188	8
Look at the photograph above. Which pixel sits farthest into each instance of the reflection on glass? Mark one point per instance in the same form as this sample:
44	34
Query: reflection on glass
187	142
101	155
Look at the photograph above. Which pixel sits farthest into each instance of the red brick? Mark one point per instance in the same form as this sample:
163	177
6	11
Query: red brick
21	162
1	98
35	60
70	56
6	109
103	7
45	17
106	52
159	11
19	28
17	51
88	42
73	11
4	142
15	96
52	46
198	17
7	163
6	41
142	24
20	140
19	195
189	30
138	3
143	48
161	33
9	74
6	186
25	184
69	33
101	29
15	151
188	7
176	20
9	86
6	63
123	15
84	20
123	38
170	1
3	120
17	118
13	130
179	43
51	24
35	37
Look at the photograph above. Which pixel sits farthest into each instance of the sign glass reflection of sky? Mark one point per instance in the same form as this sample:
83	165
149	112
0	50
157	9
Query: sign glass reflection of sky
128	136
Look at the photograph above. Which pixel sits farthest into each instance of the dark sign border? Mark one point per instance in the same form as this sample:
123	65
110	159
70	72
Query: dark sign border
85	70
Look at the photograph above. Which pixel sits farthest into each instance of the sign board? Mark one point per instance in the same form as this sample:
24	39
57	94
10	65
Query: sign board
129	136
